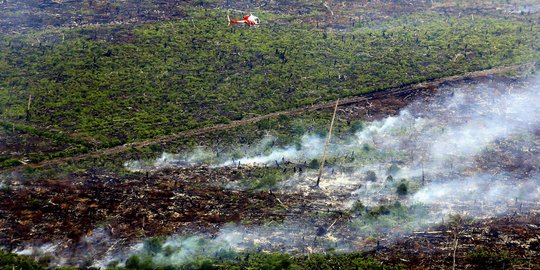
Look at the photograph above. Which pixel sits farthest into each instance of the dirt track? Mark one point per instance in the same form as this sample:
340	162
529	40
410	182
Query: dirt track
405	90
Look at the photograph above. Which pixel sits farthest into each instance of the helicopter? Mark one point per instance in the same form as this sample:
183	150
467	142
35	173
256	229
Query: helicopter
248	19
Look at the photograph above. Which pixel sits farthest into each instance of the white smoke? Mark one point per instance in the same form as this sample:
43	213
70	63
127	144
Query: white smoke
290	237
434	148
309	148
487	121
453	130
480	195
45	249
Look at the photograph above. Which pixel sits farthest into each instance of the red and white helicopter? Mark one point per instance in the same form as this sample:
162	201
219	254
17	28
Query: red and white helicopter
249	20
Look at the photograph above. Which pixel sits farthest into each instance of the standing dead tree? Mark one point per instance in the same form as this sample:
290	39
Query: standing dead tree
28	114
456	223
321	167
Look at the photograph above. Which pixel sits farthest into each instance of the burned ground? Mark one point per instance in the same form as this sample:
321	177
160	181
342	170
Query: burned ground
189	199
510	242
166	202
79	198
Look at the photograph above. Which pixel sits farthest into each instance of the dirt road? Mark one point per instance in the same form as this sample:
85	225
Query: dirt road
320	106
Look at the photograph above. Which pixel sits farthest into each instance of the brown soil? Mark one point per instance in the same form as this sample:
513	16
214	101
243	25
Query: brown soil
511	242
162	203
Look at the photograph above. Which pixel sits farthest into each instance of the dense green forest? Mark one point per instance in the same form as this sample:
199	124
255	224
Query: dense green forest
108	85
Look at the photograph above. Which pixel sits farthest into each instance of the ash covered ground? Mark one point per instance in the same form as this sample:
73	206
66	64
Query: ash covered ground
468	151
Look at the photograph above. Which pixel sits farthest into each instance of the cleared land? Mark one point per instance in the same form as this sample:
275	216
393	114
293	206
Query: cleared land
127	125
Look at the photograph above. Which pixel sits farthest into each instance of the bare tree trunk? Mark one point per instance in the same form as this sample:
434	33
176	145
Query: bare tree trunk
455	249
28	107
327	143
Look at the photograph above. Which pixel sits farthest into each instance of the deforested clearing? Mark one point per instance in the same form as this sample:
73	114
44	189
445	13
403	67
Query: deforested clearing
322	135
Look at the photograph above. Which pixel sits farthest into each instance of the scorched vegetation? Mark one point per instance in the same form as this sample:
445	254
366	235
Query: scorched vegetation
154	136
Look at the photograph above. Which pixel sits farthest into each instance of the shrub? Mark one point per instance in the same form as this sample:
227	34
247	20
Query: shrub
489	259
13	261
139	262
356	126
314	164
153	245
268	181
402	189
380	210
9	163
370	176
358	207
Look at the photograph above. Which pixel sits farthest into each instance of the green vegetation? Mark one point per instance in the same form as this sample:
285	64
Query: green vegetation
402	189
9	162
77	90
221	260
480	256
314	164
358	207
115	84
226	141
12	261
393	216
45	144
356	126
265	178
490	259
269	261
